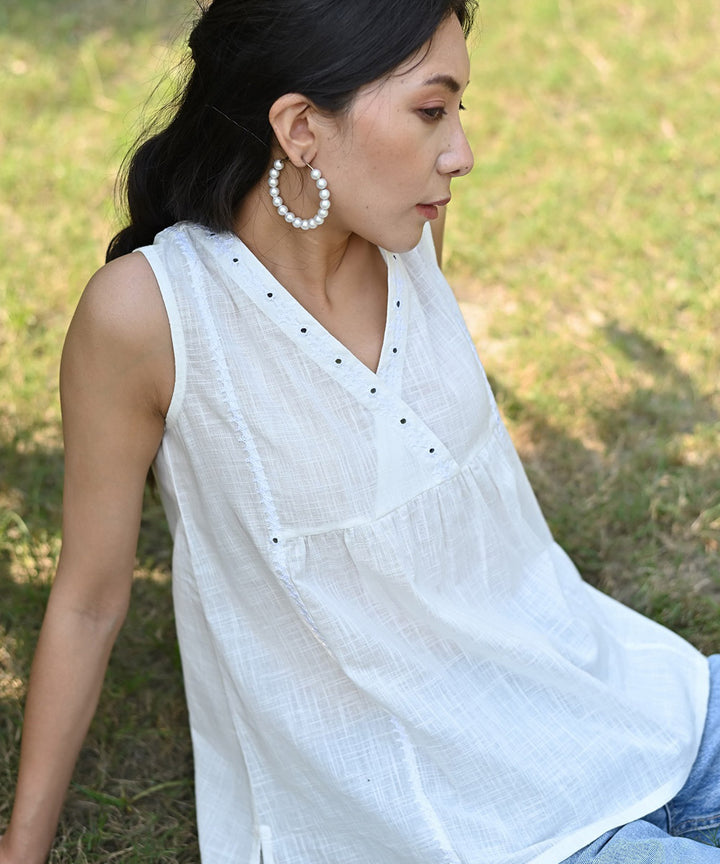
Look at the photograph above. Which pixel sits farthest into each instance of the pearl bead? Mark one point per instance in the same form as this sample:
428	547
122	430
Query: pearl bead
284	211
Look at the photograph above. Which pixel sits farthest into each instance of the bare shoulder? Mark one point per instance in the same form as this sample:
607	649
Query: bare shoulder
120	324
124	296
116	380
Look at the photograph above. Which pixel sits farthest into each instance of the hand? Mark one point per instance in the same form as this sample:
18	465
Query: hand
5	856
18	856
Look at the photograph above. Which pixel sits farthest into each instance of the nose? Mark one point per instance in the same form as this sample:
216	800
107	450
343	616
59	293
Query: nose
458	159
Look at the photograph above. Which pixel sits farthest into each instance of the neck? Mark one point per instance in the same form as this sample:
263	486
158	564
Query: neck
308	263
337	276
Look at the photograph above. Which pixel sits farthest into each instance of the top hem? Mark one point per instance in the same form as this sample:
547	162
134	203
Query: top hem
578	840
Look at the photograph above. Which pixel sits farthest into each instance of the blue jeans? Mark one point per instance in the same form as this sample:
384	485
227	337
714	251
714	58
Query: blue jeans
687	829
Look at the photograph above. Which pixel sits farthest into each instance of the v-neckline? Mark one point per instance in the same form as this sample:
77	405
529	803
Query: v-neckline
274	299
381	392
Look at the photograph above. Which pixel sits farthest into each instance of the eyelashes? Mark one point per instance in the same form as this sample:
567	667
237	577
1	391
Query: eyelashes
435	114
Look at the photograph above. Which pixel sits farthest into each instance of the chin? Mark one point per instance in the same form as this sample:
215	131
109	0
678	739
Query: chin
400	243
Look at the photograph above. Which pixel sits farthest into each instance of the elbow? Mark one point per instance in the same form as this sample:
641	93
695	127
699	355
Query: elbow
104	622
99	615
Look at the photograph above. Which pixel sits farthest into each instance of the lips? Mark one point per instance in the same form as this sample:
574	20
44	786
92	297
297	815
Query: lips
430	211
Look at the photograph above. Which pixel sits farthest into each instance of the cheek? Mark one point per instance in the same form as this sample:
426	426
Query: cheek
382	166
387	148
394	170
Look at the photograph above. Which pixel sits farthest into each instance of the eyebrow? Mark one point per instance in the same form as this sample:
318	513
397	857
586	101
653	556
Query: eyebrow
447	81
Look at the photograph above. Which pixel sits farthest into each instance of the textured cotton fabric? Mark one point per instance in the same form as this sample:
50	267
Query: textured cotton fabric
687	829
387	658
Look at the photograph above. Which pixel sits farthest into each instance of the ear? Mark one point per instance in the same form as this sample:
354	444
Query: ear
291	117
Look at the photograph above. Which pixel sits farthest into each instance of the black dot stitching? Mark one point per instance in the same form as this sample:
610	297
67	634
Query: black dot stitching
432	450
303	329
235	260
373	390
398	304
270	294
394	350
275	539
338	361
403	421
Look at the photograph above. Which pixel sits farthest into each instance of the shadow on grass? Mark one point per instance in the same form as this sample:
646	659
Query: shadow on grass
640	516
666	410
132	786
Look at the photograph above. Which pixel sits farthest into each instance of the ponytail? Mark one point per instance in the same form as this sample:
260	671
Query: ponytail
198	168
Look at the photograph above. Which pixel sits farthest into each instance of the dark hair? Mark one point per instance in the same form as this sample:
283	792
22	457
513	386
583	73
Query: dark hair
245	54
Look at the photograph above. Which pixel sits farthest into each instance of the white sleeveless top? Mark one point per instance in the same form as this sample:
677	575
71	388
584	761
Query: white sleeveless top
387	658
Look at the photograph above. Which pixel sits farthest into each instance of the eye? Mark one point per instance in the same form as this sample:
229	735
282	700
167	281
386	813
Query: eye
433	113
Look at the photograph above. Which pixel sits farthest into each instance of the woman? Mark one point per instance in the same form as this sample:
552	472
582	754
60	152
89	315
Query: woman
387	658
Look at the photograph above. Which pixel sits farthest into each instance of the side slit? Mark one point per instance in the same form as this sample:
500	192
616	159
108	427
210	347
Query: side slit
266	851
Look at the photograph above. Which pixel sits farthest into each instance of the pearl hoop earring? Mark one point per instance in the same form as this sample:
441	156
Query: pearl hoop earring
283	209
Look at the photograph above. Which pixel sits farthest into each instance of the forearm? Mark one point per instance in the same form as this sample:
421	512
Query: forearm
65	684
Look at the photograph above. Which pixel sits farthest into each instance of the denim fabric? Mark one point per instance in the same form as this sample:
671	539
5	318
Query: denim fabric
687	829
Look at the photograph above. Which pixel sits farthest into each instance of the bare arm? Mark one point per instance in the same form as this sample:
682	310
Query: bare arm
438	232
115	383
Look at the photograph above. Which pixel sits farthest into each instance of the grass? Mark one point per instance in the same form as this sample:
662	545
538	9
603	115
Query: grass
73	76
585	253
584	249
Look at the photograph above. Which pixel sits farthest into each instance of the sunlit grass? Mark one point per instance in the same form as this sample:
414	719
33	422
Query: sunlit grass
74	77
585	249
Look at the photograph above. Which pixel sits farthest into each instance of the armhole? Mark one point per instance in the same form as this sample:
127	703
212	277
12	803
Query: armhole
177	335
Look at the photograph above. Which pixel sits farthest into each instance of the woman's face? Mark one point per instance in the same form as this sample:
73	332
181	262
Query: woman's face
390	164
